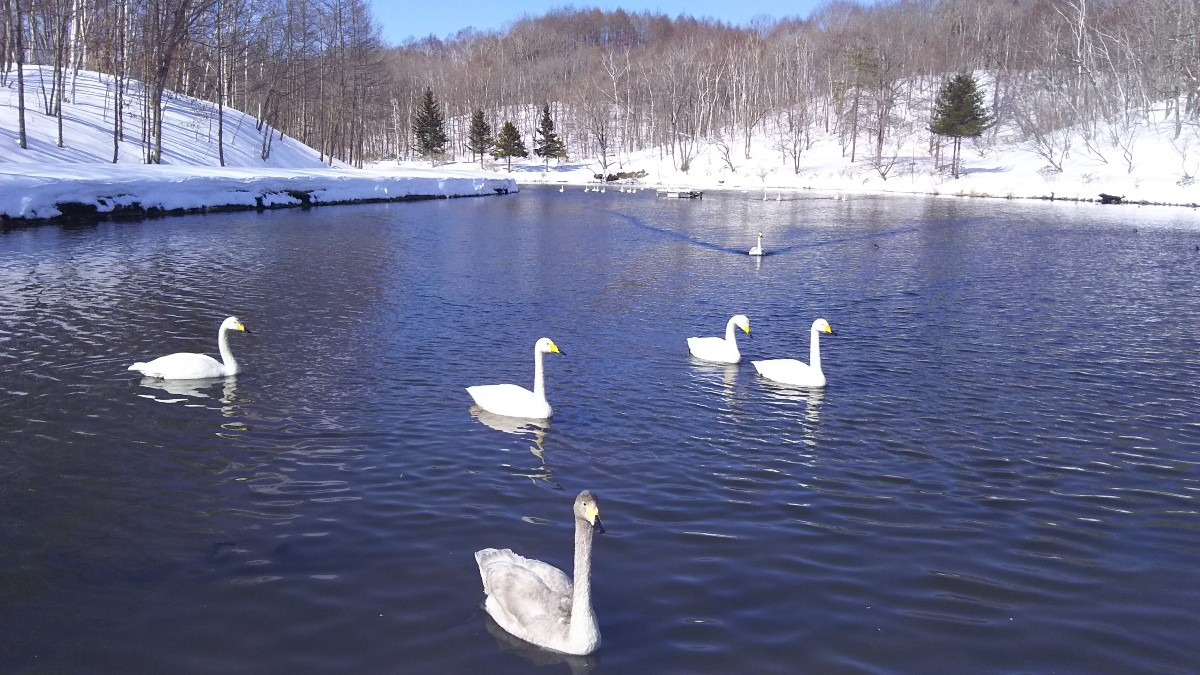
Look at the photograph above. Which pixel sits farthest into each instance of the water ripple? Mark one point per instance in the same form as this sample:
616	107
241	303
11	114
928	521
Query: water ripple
1005	459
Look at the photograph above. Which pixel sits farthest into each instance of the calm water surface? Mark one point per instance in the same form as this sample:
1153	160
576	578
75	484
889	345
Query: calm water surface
1003	474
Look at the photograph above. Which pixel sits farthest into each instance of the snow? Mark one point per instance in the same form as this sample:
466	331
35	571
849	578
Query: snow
999	165
1008	170
36	181
1145	162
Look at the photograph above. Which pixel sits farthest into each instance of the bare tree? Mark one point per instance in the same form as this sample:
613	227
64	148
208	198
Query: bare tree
16	21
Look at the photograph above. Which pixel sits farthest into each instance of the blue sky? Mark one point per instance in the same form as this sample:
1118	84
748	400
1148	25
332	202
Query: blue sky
402	20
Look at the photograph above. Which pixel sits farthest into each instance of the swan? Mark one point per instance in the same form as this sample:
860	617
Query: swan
757	250
187	366
535	601
798	373
720	350
561	188
515	401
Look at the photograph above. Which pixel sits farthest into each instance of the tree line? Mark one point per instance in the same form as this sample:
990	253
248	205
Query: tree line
309	68
1073	76
1061	72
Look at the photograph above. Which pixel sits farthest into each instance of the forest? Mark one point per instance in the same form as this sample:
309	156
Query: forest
1073	76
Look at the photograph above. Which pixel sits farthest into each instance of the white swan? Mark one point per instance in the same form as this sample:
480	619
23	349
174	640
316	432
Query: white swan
720	350
187	366
536	601
757	250
798	373
515	401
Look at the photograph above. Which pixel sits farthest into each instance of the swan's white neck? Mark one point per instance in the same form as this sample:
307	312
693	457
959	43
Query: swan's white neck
729	332
227	361
814	351
539	383
583	620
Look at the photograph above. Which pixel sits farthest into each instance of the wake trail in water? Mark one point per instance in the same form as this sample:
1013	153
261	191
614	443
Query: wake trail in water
773	251
671	233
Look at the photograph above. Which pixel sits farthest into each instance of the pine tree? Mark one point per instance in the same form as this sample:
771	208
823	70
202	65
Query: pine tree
509	144
958	112
546	143
479	138
429	128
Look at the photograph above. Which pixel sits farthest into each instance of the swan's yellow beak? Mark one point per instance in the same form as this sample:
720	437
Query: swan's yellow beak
554	349
593	516
746	328
829	330
243	328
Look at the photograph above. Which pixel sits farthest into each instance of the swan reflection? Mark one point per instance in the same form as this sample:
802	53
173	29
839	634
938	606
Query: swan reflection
538	657
533	430
811	398
186	388
184	391
715	377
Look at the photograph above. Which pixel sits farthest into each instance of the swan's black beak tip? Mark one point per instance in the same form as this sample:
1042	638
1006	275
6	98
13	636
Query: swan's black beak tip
598	526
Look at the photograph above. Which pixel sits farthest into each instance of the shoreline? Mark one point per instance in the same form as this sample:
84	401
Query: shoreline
81	213
139	195
76	194
702	186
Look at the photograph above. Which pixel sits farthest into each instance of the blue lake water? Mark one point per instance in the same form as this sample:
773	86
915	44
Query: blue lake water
1003	474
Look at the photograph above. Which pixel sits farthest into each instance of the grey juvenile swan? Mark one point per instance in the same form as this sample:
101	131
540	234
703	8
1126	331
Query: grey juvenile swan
536	601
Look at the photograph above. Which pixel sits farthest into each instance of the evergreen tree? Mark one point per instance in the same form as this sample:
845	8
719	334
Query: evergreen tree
509	144
546	143
479	138
429	128
958	112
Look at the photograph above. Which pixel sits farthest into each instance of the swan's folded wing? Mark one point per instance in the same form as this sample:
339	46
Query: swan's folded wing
778	365
499	392
519	588
182	365
549	575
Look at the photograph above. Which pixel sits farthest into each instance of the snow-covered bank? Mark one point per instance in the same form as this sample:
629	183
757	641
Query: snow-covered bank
51	191
1144	159
1002	170
79	179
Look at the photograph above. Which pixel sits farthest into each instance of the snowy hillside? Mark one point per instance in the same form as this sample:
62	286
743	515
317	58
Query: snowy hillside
37	181
189	128
1143	161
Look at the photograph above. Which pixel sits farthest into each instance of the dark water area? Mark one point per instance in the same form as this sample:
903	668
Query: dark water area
1002	475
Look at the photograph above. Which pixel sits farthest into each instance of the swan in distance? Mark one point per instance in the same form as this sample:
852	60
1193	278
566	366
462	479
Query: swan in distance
512	400
720	350
536	601
798	373
188	366
757	250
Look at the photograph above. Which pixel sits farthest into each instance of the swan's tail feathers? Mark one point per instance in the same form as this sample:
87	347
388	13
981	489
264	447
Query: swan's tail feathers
490	559
482	558
137	366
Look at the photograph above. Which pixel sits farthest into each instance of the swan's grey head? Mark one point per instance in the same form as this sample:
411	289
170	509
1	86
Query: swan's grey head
232	323
547	346
743	322
588	509
822	326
